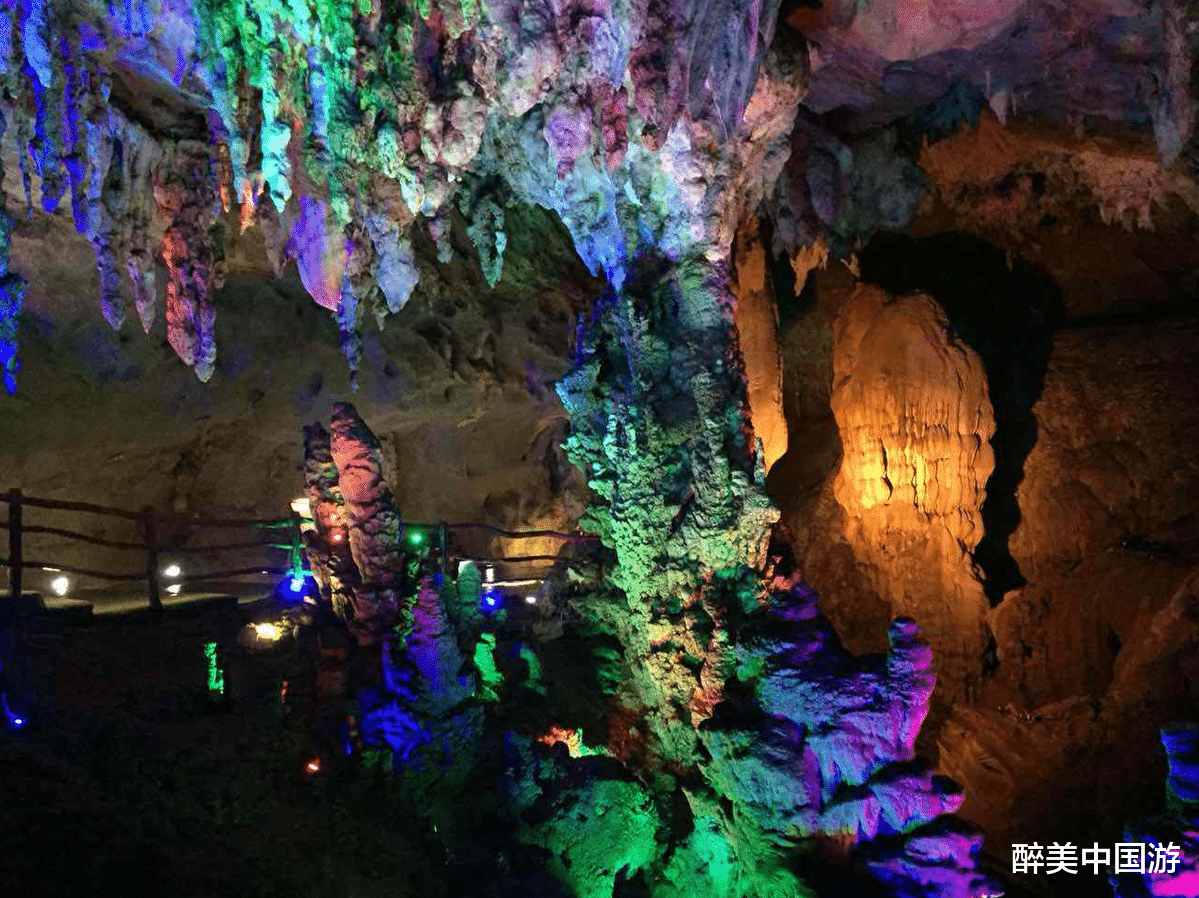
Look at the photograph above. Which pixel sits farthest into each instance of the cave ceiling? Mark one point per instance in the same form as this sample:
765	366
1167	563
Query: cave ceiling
332	132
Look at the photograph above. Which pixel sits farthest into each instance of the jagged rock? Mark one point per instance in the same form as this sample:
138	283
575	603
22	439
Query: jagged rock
372	523
915	421
828	748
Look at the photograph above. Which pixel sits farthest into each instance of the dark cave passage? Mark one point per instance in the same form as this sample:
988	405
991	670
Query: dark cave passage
1007	312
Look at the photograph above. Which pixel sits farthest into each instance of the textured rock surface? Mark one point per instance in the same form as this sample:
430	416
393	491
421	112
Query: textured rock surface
915	424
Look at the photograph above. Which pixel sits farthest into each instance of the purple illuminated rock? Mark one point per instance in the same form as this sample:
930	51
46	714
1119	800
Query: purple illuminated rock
1174	833
825	750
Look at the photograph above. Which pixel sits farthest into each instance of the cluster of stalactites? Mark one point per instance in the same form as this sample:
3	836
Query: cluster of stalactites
336	125
138	197
54	99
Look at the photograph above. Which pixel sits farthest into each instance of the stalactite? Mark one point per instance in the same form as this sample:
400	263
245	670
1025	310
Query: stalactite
187	194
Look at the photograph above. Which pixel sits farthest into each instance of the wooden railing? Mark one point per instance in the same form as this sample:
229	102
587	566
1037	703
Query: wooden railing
151	522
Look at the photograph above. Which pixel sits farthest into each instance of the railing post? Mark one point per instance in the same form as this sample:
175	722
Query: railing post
151	557
442	543
16	566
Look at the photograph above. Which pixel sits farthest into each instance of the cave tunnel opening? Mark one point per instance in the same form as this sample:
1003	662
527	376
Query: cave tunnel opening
1005	309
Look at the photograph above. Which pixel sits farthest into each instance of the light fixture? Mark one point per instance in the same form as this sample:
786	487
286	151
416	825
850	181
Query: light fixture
530	600
489	574
302	507
338	536
313	766
296	584
171	571
60	585
16	721
269	632
490	601
416	537
174	589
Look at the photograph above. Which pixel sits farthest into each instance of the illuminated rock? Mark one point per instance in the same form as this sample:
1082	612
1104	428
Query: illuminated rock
825	750
372	523
915	420
1174	834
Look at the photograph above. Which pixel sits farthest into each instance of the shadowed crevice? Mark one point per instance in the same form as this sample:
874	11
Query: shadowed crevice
1007	313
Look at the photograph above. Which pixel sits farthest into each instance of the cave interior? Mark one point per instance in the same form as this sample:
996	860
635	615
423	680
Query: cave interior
599	450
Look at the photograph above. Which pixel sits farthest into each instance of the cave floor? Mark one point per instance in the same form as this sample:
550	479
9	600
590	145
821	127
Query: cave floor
132	777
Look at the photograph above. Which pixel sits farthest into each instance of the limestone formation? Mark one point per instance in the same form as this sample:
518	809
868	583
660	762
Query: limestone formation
915	422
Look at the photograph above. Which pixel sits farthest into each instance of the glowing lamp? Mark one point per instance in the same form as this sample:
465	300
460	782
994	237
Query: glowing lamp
296	584
338	536
530	600
416	537
302	507
313	766
490	601
15	720
60	586
489	574
174	589
269	632
171	571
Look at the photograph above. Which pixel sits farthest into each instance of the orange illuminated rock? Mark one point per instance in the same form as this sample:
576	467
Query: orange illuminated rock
757	333
915	421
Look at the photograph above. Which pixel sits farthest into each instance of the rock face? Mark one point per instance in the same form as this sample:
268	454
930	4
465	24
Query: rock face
756	319
825	749
915	424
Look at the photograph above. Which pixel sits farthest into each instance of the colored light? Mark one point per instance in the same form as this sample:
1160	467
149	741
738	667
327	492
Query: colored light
313	766
14	720
296	585
216	676
416	537
338	536
267	631
60	586
490	600
172	571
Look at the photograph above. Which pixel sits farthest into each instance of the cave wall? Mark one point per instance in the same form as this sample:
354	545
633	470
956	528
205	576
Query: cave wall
460	391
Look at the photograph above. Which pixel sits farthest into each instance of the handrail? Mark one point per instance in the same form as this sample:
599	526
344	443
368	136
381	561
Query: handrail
168	517
151	522
516	559
220	547
70	506
239	572
514	534
74	534
68	569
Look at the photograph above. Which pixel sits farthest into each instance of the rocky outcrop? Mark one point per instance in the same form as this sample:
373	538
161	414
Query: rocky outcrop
915	423
355	550
824	749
